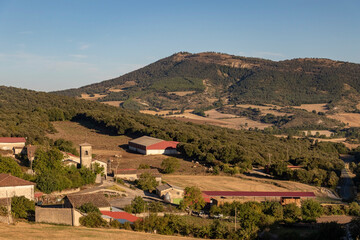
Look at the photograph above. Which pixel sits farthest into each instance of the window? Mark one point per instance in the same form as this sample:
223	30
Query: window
86	152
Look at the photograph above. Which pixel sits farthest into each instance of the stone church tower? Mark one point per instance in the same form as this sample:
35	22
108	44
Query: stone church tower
85	155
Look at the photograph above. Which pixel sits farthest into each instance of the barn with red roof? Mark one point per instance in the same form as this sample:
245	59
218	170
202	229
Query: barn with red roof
221	197
153	146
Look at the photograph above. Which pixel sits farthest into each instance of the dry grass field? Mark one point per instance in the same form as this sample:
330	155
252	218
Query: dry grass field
112	147
310	107
181	94
353	119
44	231
95	97
113	103
244	183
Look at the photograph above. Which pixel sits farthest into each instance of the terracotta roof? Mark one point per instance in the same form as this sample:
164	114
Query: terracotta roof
12	140
257	194
69	154
98	199
6	180
163	145
120	215
151	143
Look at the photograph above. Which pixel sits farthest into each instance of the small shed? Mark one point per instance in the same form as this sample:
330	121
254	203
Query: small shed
170	193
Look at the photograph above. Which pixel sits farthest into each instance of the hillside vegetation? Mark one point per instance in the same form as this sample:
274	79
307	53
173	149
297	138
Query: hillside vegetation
28	113
216	77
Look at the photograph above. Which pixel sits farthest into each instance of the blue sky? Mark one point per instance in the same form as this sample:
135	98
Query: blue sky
53	45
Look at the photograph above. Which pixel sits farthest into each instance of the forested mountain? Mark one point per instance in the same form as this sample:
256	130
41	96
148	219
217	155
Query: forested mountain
29	114
210	77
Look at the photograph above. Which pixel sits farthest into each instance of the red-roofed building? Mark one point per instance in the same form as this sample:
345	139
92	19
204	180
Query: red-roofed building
16	144
153	146
221	197
122	217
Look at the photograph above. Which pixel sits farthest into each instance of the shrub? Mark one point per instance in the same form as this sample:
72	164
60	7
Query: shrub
147	182
93	220
170	165
311	210
292	213
21	207
88	208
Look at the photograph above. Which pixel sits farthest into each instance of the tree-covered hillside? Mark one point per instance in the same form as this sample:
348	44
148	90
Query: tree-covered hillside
28	113
232	78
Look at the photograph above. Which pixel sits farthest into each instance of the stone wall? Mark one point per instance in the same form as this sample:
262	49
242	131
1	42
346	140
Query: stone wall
66	216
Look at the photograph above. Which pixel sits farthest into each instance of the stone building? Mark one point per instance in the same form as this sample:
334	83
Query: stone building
85	155
11	186
170	193
77	200
15	144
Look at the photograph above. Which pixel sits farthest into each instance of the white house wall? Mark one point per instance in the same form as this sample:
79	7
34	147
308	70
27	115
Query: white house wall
26	191
10	146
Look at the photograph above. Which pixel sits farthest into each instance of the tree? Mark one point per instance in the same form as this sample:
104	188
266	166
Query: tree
8	165
156	207
311	210
170	165
138	205
193	199
66	146
88	208
22	207
292	213
147	182
47	160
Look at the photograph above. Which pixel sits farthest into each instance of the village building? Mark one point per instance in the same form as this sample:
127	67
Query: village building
121	217
221	197
132	174
77	200
15	144
11	186
152	146
85	160
170	193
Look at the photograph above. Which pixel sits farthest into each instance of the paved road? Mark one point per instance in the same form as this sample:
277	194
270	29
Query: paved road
346	181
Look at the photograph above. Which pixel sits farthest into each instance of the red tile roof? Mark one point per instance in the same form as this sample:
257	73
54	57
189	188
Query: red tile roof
12	140
257	194
120	215
6	180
